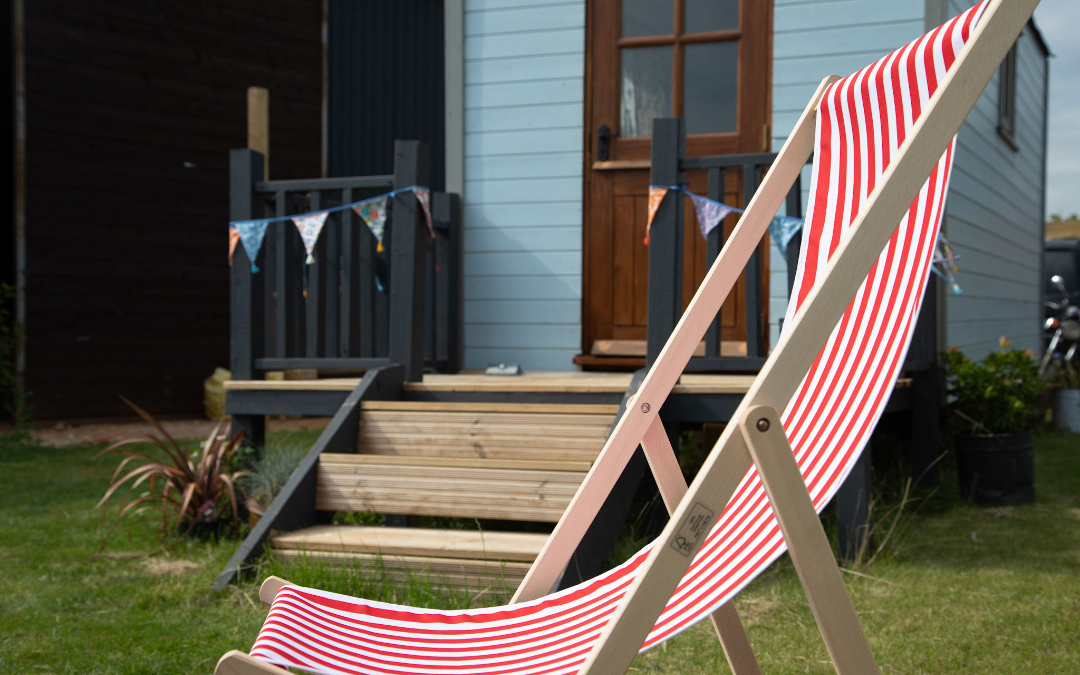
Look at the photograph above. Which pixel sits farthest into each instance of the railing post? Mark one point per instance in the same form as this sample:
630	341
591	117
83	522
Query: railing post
446	206
245	299
245	167
753	306
665	237
794	209
407	256
714	335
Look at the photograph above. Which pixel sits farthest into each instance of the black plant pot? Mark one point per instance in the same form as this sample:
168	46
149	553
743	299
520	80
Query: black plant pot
997	469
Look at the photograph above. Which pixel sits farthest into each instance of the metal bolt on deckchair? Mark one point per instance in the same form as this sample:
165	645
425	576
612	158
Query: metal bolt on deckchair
882	155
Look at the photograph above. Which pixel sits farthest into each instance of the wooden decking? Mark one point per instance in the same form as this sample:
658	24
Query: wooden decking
530	382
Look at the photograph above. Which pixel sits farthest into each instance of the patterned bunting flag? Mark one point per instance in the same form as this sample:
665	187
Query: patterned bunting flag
709	213
423	195
656	195
782	229
373	212
310	226
251	233
234	239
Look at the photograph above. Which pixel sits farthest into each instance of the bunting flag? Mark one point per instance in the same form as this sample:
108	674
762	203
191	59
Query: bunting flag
373	212
423	195
234	239
709	213
251	233
656	195
782	229
310	225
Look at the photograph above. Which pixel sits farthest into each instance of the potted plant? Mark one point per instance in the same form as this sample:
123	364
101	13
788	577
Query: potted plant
1065	381
993	408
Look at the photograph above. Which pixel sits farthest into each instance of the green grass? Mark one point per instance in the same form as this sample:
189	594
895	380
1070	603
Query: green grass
962	589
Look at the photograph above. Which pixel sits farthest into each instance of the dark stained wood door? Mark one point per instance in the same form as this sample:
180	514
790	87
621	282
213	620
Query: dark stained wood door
707	61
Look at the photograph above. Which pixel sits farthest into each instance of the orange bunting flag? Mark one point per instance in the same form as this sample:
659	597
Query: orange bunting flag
234	239
656	195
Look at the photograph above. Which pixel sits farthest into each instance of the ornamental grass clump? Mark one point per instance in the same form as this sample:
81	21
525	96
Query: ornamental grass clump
195	492
997	395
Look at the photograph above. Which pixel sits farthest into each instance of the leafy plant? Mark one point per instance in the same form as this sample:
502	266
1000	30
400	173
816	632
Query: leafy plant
997	395
270	471
195	491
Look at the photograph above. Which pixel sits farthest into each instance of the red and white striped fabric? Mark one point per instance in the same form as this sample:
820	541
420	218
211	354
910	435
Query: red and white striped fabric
862	121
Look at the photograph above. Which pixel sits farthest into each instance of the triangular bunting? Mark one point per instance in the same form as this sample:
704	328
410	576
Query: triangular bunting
782	229
656	195
373	213
234	239
310	226
709	213
423	195
251	233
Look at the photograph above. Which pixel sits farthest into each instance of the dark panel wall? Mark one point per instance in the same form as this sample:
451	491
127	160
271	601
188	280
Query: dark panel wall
385	62
132	107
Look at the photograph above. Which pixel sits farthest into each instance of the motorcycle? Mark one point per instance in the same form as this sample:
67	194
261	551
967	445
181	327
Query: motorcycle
1062	329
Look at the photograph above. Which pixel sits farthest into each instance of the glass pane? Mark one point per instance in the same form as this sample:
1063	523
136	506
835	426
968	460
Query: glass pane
647	17
710	87
706	15
645	89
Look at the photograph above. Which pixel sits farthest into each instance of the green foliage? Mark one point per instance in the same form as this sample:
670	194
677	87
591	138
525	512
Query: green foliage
11	390
195	492
997	395
269	471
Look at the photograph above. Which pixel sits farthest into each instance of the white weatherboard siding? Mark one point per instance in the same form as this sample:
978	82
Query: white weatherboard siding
993	217
811	40
524	95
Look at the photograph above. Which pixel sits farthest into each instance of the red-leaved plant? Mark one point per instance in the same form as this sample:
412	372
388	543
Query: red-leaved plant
194	492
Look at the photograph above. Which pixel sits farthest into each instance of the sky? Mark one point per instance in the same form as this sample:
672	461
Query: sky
1058	21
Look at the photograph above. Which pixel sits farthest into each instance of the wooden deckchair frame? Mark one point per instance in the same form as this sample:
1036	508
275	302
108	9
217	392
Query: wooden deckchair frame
755	435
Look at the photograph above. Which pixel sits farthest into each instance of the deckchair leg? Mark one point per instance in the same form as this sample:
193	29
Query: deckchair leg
672	485
236	662
806	541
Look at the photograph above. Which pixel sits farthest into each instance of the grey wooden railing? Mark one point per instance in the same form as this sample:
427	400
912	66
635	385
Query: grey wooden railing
353	308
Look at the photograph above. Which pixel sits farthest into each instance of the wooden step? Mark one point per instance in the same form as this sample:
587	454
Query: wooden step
414	541
487	430
458	559
479	488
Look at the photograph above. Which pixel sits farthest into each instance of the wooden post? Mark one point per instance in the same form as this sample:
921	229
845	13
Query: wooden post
754	343
245	298
715	335
853	508
447	206
258	124
925	392
665	237
408	252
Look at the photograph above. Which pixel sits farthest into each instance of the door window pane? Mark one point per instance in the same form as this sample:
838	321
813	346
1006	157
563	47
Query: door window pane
645	89
647	17
710	87
706	15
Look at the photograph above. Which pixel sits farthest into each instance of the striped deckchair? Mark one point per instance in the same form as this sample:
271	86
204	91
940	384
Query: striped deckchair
883	151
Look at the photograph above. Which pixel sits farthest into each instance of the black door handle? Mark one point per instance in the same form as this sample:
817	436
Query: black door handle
603	143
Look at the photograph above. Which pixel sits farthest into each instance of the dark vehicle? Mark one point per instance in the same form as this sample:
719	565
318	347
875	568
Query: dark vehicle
1063	260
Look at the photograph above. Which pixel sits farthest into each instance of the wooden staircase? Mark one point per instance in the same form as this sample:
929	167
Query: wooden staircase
520	462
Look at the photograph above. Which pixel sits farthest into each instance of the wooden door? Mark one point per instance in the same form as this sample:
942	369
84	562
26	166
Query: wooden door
707	61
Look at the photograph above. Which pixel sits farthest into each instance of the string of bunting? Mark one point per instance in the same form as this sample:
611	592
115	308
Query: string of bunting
373	211
710	212
943	264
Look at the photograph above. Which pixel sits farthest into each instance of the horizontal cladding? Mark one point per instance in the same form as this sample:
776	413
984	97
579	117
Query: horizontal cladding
810	41
523	96
131	110
994	214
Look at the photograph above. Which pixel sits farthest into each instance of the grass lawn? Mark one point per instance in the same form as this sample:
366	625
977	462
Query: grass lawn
959	589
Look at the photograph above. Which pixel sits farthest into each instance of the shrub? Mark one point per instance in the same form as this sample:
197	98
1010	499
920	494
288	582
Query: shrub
195	492
997	395
270	471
